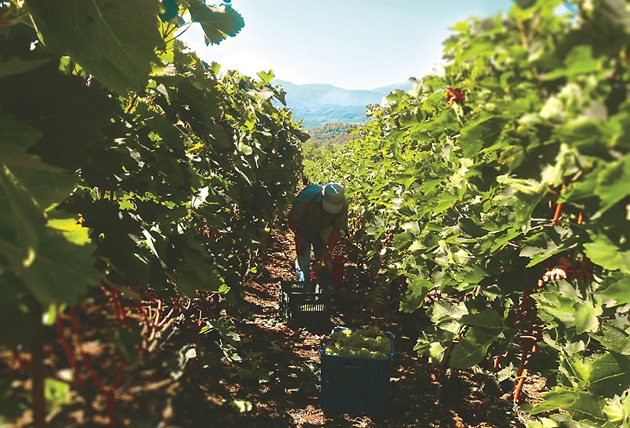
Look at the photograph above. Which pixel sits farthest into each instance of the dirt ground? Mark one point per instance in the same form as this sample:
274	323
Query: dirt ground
276	382
291	397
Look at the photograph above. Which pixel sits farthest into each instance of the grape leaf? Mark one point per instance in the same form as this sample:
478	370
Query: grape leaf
266	77
171	9
16	137
612	183
557	305
61	271
481	133
579	61
610	374
558	398
218	22
12	66
17	320
115	40
540	247
71	229
471	349
606	254
581	405
21	221
618	290
69	116
487	319
585	317
196	273
415	294
614	339
46	187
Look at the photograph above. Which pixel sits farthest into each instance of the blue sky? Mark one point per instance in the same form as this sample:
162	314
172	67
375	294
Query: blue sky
354	44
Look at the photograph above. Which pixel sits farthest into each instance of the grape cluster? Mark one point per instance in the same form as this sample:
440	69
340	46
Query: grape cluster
369	343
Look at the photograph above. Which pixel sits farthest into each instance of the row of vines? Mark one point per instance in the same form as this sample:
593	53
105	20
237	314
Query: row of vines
132	174
498	190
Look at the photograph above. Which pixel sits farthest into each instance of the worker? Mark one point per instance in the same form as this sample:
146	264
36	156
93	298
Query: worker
316	218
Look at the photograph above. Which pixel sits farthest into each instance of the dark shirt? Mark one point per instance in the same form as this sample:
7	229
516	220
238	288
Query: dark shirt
313	223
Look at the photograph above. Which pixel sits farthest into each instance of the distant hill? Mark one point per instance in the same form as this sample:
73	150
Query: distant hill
319	104
326	139
331	133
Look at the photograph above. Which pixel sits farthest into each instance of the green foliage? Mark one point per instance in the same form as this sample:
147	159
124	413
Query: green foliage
218	22
475	200
113	40
324	140
137	167
191	154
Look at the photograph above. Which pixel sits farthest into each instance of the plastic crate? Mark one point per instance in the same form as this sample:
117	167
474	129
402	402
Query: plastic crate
301	305
355	385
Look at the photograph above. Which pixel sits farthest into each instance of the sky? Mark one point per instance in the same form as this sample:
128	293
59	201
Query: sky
353	44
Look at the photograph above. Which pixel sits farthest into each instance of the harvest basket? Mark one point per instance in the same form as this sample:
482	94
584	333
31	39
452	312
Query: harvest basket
355	385
300	305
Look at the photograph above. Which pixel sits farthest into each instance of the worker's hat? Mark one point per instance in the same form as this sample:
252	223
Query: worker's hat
334	198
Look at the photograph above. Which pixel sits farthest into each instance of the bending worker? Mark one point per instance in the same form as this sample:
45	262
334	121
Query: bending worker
317	217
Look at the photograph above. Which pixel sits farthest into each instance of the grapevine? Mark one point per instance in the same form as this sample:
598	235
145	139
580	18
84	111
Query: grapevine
504	183
133	177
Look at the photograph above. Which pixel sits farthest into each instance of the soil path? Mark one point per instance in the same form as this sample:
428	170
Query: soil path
187	381
284	362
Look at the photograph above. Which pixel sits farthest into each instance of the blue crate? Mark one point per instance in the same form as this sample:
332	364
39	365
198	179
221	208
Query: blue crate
355	385
300	305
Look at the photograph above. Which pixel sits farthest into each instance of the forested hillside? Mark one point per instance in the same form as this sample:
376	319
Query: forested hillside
325	139
334	133
319	105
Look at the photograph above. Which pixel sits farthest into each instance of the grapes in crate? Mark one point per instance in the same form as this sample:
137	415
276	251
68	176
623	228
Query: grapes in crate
368	343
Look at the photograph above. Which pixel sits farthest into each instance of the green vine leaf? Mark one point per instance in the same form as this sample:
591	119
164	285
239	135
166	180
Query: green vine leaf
111	39
610	374
61	271
218	22
612	183
586	317
605	253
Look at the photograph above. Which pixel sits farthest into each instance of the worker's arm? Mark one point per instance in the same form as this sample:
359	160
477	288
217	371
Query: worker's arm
333	239
292	225
335	235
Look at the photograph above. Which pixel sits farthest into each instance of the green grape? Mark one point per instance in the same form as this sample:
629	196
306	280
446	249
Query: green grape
368	343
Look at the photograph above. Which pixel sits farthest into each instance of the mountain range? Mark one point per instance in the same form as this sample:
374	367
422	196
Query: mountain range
318	104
